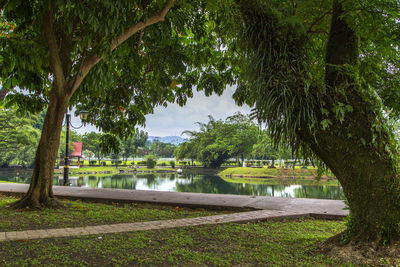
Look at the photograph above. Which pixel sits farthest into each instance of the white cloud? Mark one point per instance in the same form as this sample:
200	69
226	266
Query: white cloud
173	119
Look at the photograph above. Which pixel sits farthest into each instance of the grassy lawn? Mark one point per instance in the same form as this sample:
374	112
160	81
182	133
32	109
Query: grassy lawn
287	243
83	214
291	243
280	181
270	173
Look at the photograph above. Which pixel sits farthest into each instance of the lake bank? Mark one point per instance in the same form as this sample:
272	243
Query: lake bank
281	181
114	170
284	173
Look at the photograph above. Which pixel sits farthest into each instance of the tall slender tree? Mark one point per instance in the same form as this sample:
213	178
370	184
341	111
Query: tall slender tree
91	141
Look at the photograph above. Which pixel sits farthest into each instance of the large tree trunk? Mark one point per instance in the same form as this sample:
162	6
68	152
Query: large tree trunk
359	150
40	193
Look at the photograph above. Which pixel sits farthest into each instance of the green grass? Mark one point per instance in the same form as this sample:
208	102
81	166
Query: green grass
82	214
291	243
270	173
280	181
287	243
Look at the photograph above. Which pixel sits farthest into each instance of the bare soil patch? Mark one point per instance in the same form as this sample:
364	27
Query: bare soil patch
370	254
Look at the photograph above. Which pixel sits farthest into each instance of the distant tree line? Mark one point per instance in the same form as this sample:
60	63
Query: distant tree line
19	137
215	143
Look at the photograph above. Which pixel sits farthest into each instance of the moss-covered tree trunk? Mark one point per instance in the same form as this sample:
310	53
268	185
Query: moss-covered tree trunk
357	148
40	193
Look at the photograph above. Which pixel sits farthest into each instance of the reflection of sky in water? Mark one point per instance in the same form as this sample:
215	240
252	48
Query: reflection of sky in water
161	185
288	191
196	183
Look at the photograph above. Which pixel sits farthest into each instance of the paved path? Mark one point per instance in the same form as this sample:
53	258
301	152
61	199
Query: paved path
241	217
266	208
304	205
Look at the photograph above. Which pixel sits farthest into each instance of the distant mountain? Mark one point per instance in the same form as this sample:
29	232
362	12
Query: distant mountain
176	140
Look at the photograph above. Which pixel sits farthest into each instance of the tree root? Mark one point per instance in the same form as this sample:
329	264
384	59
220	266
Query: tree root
361	252
31	203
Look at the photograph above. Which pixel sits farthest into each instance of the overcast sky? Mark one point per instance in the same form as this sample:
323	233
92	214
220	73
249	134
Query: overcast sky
173	120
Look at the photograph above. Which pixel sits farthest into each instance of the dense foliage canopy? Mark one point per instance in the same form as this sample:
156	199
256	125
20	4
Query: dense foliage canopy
284	61
159	64
19	137
217	141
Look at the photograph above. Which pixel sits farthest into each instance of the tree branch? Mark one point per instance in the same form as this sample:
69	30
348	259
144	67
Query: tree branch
122	84
65	51
3	92
310	29
91	61
52	43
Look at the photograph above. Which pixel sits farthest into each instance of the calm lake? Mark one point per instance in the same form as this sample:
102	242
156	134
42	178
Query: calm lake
196	183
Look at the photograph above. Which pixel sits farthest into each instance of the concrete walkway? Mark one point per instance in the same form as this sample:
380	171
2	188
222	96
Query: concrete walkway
266	208
241	217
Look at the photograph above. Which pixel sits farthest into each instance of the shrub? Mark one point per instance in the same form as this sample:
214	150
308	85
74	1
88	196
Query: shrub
151	161
163	164
172	163
92	162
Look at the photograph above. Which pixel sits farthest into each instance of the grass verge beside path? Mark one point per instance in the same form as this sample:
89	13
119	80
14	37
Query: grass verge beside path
291	243
78	214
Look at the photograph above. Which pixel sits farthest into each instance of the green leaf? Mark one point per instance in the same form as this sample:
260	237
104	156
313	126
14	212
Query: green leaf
8	84
325	124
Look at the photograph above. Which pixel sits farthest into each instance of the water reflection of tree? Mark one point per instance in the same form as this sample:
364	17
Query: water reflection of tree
114	181
216	185
211	184
191	183
22	176
321	192
151	180
275	191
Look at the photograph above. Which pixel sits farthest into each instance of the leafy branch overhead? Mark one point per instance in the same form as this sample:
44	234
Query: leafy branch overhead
119	55
70	53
